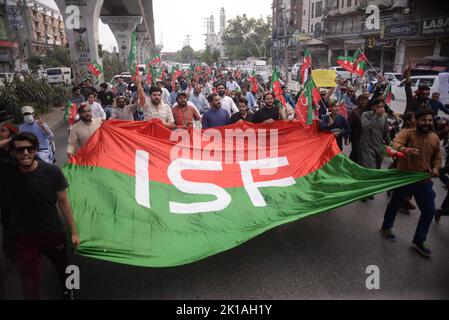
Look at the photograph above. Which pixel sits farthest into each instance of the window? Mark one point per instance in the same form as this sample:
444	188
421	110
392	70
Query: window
318	29
3	32
319	9
426	82
311	30
356	2
313	9
342	3
54	72
349	3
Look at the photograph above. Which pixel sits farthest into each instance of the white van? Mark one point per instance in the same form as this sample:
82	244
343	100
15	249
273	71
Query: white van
438	83
59	76
342	73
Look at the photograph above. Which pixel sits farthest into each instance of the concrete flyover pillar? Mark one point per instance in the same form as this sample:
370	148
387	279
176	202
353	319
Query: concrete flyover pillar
82	34
147	45
122	27
140	40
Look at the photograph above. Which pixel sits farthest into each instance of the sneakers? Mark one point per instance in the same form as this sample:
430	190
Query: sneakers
422	249
388	234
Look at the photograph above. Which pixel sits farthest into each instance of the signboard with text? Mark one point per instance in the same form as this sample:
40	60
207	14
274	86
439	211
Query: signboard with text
402	29
435	26
15	19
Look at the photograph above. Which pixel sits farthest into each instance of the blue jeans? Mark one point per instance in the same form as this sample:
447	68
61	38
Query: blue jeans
425	199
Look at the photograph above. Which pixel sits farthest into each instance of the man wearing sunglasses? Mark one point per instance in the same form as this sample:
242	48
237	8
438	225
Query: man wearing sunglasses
42	131
33	190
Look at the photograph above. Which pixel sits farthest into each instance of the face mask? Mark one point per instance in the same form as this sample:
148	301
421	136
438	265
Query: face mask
29	119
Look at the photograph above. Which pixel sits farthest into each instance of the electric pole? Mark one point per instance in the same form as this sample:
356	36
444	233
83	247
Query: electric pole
188	36
286	42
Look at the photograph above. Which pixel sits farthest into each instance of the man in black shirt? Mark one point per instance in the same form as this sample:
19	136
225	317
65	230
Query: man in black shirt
106	97
33	190
269	113
244	114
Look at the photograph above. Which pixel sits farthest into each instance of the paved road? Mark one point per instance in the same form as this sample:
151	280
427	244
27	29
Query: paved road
321	257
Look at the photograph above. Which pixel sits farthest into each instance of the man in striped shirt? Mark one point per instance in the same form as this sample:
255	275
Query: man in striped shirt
154	108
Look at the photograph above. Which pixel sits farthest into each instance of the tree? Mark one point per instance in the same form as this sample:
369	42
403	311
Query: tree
244	38
187	54
210	56
112	66
57	57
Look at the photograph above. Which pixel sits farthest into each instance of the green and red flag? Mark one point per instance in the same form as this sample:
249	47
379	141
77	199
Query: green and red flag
305	67
308	99
389	152
95	69
176	73
71	111
346	63
143	199
388	95
254	83
355	64
276	88
155	59
360	61
132	53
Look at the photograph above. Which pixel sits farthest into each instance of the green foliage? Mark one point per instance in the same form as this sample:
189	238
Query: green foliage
32	91
112	66
210	56
246	38
187	54
56	57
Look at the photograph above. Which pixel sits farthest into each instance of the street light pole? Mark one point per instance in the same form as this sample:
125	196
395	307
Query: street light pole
286	42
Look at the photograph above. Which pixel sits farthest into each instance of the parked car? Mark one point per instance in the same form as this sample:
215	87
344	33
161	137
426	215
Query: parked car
295	71
341	73
126	78
62	75
393	77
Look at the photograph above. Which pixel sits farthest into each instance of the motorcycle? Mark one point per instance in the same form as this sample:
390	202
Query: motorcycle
395	126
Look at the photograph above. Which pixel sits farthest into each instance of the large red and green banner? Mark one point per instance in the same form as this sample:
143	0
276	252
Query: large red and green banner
141	199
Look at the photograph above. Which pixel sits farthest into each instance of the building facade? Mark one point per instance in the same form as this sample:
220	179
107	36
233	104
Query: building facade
47	29
27	28
407	29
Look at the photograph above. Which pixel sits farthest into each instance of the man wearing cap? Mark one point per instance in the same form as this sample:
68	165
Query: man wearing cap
42	131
